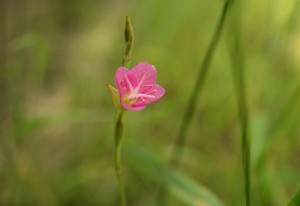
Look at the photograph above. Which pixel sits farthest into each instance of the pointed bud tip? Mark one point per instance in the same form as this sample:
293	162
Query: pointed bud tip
128	30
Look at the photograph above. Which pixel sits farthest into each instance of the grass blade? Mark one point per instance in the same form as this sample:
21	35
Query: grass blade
238	67
181	186
198	88
180	141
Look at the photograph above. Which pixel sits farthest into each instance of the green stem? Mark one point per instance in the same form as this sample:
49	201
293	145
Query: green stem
118	147
128	33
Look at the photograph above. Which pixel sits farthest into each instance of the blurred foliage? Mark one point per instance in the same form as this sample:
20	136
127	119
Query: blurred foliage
56	126
296	200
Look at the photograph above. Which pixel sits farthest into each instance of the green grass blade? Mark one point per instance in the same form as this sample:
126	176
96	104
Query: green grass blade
180	140
181	186
284	119
238	70
285	114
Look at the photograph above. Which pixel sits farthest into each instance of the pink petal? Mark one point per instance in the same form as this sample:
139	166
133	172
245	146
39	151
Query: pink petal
146	69
157	91
120	80
132	79
119	76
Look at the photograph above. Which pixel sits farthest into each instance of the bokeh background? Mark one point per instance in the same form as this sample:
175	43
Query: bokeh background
57	118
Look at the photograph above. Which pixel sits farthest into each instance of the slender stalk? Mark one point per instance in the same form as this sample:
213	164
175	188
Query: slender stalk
238	68
278	60
197	90
244	125
118	146
180	141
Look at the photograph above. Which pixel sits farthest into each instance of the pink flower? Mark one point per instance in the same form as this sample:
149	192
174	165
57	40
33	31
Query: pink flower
137	87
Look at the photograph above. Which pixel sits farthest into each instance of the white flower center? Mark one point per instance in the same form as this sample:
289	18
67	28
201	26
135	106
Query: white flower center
134	94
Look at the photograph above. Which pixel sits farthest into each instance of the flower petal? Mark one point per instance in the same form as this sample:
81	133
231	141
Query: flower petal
157	91
125	80
144	68
119	77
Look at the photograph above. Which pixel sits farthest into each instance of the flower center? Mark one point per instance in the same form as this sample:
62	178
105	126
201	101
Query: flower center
134	93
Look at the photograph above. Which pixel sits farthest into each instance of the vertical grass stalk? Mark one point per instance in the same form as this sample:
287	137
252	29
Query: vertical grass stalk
278	60
238	67
180	140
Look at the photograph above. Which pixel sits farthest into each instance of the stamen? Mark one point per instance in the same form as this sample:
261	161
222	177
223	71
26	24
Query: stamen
129	84
147	85
138	87
141	98
146	96
152	91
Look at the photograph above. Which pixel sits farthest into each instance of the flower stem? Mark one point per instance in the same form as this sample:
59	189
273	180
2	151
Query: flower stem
118	147
128	33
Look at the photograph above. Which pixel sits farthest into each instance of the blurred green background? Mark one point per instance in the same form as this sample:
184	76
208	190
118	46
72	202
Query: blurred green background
57	118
